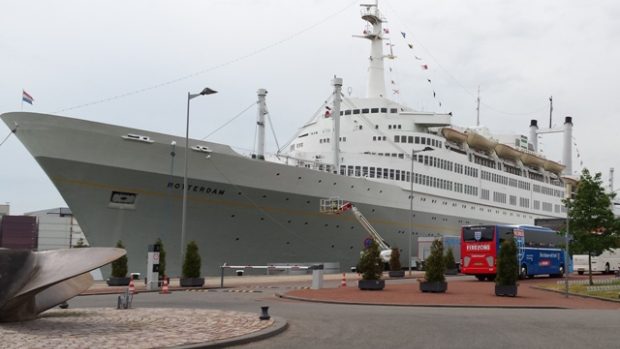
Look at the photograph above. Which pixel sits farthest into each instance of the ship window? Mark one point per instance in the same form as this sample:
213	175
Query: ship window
365	111
399	127
417	140
396	139
350	171
374	138
379	172
410	139
365	171
423	140
393	110
372	172
389	127
397	177
384	110
341	113
391	174
374	110
356	111
385	173
357	171
123	200
384	138
347	112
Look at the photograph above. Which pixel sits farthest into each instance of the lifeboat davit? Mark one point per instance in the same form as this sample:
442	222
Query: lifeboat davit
507	152
480	142
553	166
454	135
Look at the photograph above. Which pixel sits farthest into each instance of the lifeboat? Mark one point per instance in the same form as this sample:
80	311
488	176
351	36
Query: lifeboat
507	152
454	135
532	160
553	166
477	141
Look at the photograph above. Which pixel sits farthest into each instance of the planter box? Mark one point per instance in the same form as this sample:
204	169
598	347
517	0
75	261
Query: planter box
396	273
371	285
506	290
434	286
192	282
451	272
116	281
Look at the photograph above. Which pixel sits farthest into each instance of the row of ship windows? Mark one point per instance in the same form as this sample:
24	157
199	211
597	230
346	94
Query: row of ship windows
513	170
496	178
523	202
368	111
417	140
446	165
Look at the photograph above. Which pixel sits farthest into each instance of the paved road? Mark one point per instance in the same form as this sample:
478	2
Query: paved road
316	325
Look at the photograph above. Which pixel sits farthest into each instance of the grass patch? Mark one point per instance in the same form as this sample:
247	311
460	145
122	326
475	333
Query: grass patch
583	289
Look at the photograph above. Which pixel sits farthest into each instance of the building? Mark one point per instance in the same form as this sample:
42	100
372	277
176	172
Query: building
58	228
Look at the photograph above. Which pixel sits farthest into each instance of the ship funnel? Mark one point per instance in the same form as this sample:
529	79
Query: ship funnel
567	154
534	134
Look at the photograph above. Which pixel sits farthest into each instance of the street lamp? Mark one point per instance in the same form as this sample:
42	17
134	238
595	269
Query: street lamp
190	96
413	152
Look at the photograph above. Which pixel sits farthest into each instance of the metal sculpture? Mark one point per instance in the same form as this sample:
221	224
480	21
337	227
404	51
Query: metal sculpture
32	282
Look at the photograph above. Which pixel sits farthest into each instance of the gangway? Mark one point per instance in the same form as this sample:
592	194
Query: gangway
338	206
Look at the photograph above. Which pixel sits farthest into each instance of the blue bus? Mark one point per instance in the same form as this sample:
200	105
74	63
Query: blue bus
539	250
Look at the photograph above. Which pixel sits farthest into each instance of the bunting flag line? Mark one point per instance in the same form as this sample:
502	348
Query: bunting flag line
403	34
410	45
429	80
418	58
396	92
424	66
27	97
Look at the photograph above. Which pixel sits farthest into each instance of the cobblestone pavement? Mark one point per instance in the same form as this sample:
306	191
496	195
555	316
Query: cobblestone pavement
132	328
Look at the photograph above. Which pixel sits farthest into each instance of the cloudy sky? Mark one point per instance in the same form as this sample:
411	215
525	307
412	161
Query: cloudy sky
133	62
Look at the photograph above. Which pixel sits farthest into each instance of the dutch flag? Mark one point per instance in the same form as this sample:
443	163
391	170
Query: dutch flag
27	98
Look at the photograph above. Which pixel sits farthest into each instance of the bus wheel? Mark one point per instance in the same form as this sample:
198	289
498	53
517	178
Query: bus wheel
560	274
480	277
523	272
580	272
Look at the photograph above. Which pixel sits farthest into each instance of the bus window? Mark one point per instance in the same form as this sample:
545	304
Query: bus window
480	233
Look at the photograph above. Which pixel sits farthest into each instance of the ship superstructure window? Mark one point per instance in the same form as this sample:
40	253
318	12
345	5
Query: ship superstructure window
513	200
374	110
356	111
384	110
394	110
365	111
536	205
138	138
547	206
484	194
524	202
347	112
499	197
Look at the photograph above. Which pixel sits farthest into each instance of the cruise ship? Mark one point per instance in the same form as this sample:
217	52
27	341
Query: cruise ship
411	174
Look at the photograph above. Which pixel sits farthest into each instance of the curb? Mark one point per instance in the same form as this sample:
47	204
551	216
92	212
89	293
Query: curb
577	294
280	325
284	296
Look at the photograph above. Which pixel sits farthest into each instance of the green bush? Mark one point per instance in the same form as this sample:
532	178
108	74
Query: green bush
162	257
370	264
450	263
395	259
507	266
191	264
435	264
119	266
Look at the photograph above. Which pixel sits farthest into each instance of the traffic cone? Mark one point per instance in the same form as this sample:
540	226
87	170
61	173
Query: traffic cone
344	280
164	288
132	287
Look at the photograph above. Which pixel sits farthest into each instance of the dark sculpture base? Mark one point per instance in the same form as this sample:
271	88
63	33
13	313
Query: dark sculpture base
506	290
116	281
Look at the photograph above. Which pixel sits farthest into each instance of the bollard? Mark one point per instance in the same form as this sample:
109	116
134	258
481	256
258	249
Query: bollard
264	313
317	279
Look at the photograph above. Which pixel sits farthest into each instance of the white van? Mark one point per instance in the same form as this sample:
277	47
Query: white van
606	262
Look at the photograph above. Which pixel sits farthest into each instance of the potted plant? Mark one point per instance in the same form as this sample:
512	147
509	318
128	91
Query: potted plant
395	267
119	270
435	267
191	267
451	268
162	260
507	269
371	268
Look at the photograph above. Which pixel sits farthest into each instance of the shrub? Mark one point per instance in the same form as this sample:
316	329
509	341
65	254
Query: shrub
449	260
191	264
435	264
162	257
507	266
119	266
370	264
395	259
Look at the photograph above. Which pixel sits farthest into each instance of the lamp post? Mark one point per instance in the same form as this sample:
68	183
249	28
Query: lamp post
413	152
190	96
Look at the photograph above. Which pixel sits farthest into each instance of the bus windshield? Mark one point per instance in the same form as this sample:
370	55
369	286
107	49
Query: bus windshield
478	234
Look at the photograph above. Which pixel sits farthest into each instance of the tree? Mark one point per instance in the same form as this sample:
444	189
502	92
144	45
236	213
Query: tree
395	259
162	257
370	264
191	264
449	260
507	266
435	264
592	223
119	266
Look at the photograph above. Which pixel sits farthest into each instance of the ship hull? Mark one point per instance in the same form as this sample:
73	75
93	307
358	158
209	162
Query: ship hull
241	211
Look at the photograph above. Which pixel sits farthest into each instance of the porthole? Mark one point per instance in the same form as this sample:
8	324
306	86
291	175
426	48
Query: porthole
352	186
289	221
264	196
334	183
237	239
308	201
320	180
337	226
232	216
333	246
239	193
305	223
262	218
298	177
288	242
326	225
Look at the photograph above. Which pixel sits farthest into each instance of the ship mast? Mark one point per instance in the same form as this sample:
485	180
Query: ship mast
374	33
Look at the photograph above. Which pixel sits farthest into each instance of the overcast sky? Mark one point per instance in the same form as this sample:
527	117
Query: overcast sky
132	63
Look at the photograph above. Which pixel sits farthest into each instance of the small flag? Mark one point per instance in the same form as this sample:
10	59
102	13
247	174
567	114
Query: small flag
418	58
393	82
424	66
434	94
403	34
27	98
410	45
429	80
396	92
386	30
